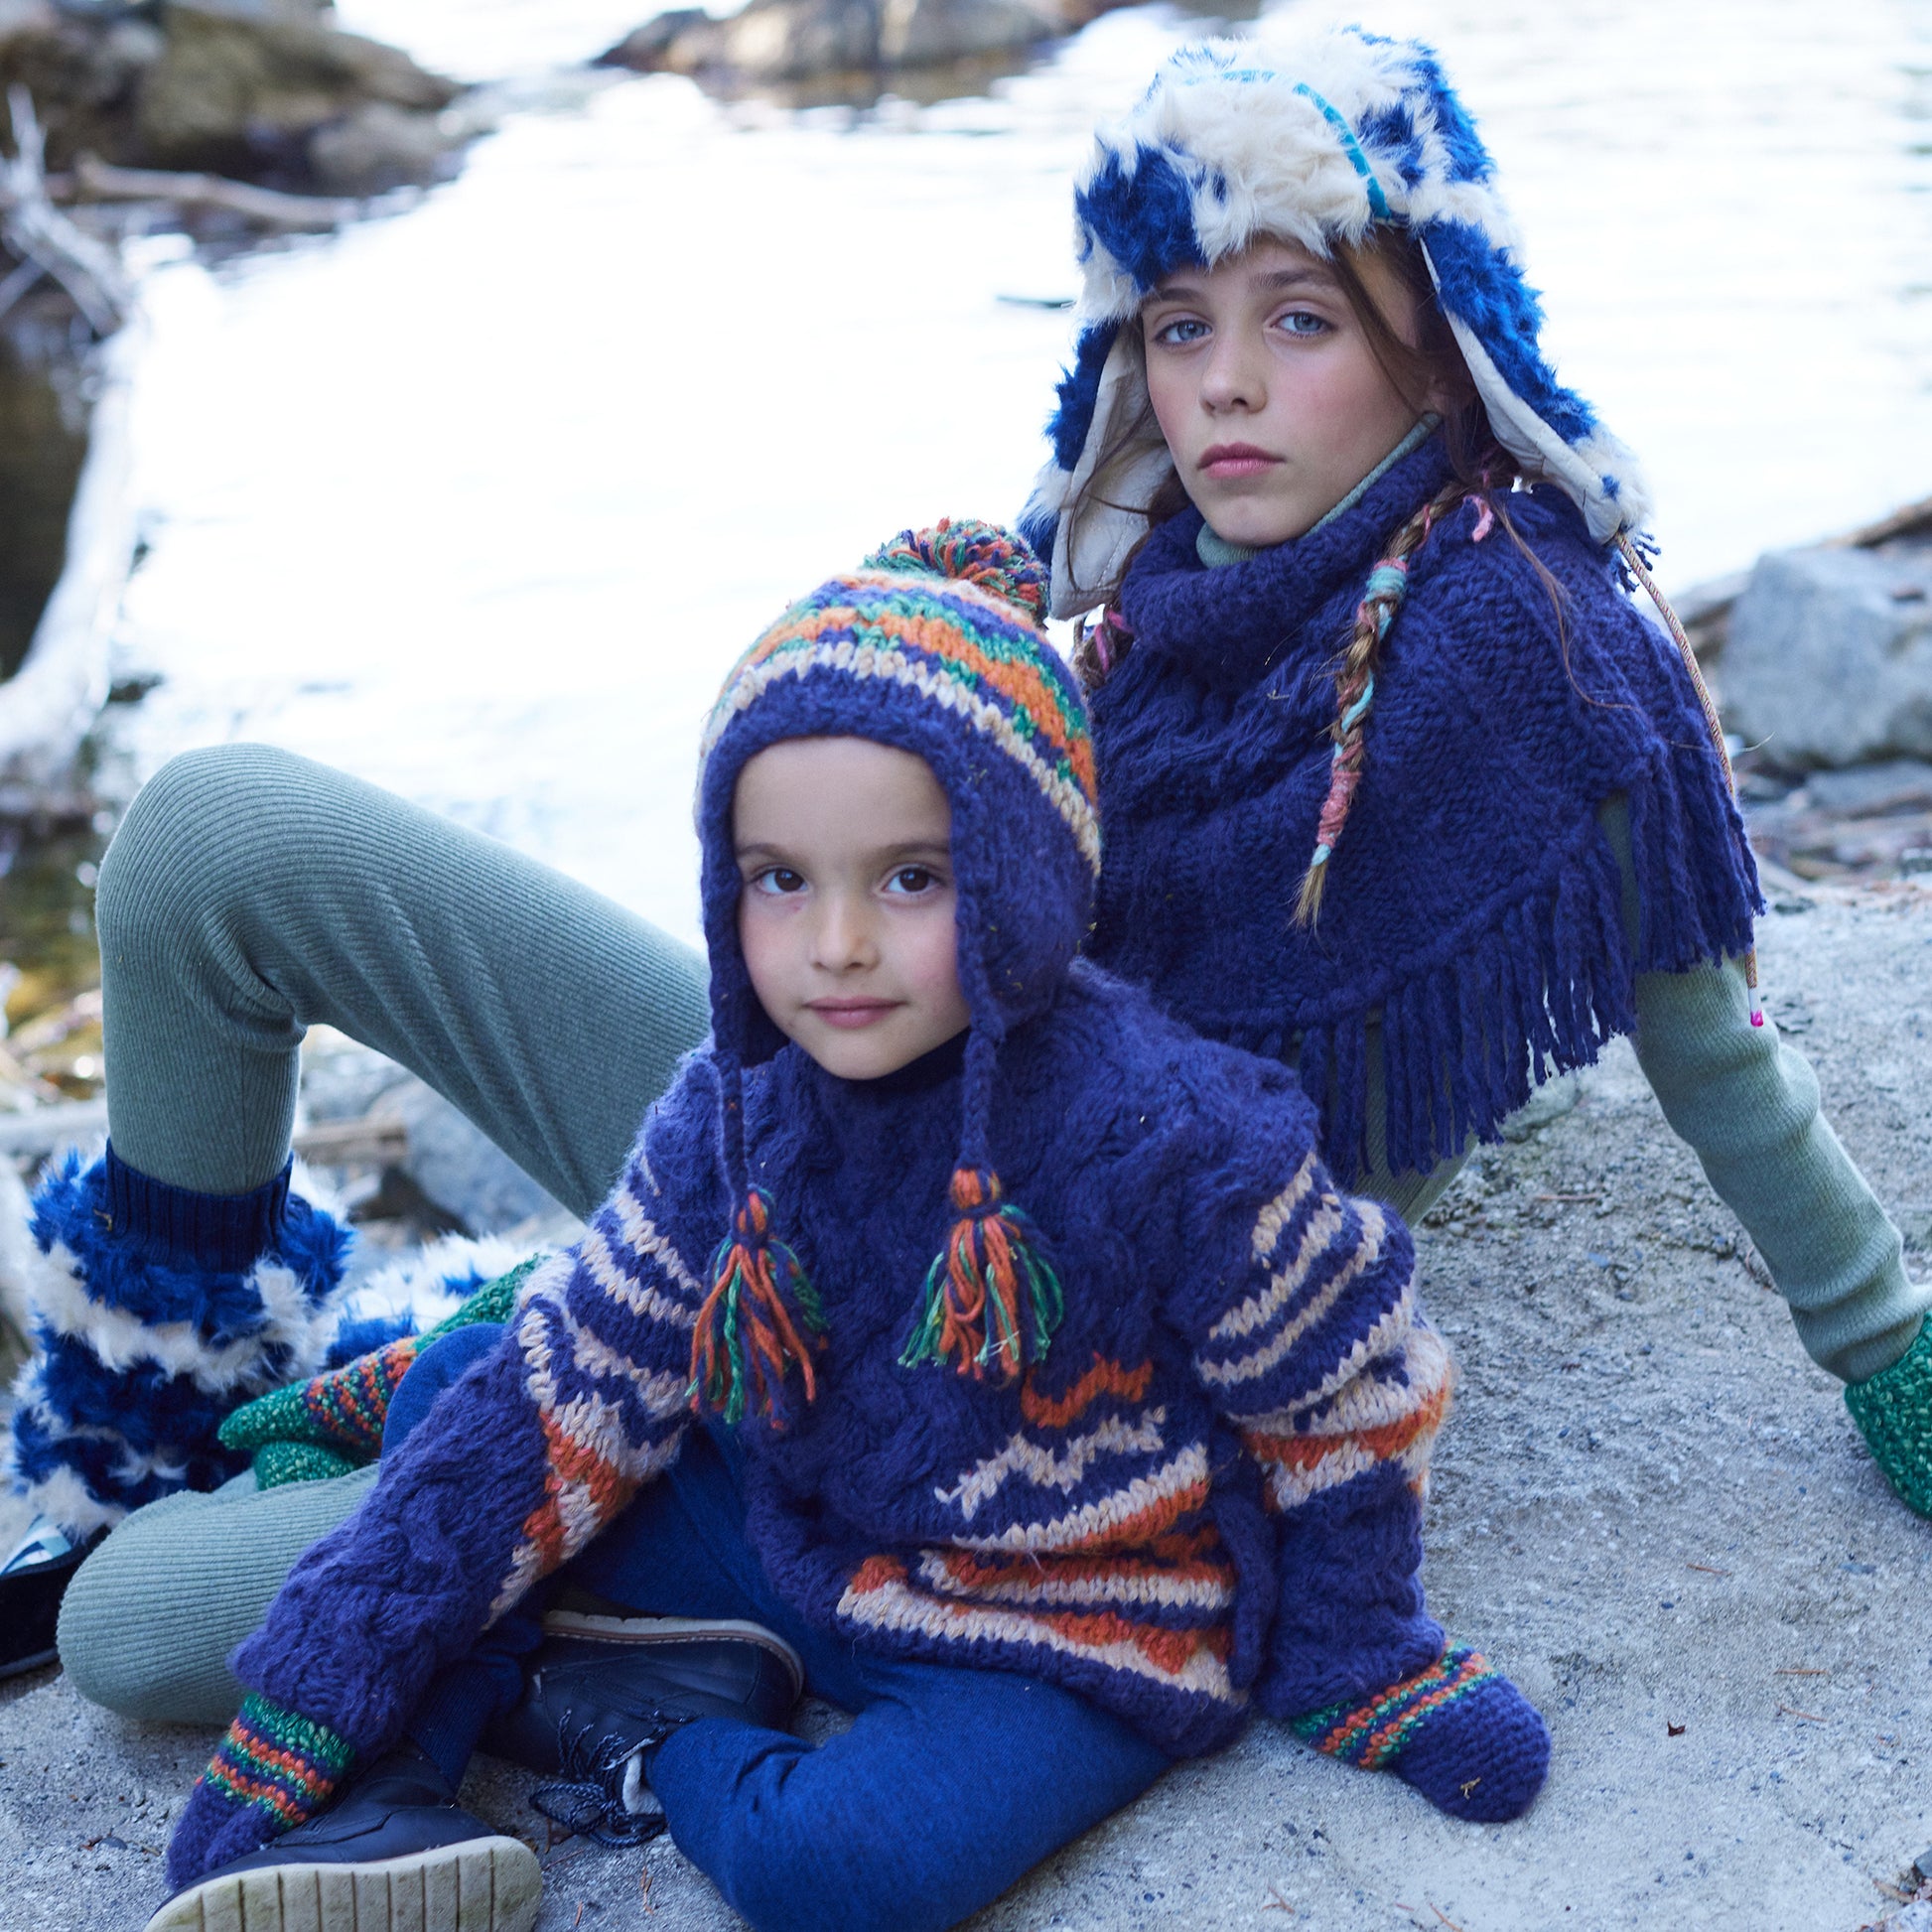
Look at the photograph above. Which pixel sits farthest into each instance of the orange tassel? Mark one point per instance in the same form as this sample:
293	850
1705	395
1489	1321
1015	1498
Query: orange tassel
992	1298
745	1336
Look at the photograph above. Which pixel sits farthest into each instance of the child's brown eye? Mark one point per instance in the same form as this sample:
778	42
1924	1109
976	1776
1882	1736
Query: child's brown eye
911	879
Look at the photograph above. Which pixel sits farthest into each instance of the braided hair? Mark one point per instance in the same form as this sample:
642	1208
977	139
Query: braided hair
1388	585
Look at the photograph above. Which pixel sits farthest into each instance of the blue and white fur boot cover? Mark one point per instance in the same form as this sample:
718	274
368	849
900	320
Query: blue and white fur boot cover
142	1353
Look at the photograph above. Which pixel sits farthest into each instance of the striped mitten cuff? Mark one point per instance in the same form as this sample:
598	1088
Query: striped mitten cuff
1461	1733
1894	1412
274	1770
332	1423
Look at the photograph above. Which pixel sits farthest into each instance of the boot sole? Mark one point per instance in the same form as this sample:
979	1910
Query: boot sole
492	1884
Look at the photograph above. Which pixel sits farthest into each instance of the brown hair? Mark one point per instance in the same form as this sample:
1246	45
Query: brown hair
1429	374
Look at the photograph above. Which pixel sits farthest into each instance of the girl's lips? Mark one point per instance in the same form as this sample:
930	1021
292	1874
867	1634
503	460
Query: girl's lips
1229	461
850	1015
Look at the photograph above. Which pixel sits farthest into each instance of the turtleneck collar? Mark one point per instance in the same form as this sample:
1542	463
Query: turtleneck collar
1228	626
1215	550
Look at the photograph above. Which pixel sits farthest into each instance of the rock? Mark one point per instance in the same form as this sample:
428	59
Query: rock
243	87
1873	790
378	147
797	40
1829	658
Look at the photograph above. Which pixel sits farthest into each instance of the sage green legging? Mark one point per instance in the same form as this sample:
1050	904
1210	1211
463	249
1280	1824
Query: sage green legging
250	894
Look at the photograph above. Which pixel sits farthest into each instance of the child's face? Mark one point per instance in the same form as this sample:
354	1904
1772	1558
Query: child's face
1266	388
846	918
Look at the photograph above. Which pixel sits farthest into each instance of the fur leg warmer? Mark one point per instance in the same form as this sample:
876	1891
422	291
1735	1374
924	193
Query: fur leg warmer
156	1311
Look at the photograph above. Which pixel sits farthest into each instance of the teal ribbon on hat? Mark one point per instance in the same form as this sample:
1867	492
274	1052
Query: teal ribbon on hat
1378	202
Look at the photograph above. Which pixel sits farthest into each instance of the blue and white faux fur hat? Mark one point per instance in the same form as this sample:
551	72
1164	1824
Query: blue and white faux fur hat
1312	142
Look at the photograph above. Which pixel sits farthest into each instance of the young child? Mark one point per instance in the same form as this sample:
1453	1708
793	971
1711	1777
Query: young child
1139	1453
1400	787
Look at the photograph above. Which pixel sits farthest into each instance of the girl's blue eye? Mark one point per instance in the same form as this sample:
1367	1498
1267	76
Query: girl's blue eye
1299	321
1184	329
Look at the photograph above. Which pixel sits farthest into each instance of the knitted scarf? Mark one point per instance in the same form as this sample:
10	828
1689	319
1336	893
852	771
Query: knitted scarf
1474	917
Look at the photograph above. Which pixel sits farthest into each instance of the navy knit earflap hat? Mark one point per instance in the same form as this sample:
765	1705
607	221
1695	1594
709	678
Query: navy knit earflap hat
1317	142
934	647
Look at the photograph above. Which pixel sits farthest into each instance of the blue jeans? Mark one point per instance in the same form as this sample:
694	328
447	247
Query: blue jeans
949	1786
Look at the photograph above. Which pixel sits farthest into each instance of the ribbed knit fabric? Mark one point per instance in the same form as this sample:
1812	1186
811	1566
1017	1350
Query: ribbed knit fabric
184	1229
1749	1105
274	1770
150	1620
1895	1411
1084	1526
1458	1731
251	893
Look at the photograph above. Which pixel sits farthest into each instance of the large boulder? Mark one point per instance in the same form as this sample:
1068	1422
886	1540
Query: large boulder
82	73
1829	660
242	85
773	41
250	87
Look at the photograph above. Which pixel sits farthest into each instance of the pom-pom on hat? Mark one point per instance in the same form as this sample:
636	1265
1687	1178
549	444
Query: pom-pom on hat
934	647
1316	142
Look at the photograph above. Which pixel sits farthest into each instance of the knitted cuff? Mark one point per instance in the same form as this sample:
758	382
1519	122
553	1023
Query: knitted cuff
1893	1411
332	1423
184	1229
1458	1731
274	1770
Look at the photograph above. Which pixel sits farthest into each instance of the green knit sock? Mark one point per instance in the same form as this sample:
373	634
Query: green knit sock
1894	1409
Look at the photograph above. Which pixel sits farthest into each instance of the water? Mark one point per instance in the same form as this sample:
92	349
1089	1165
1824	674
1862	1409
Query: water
480	501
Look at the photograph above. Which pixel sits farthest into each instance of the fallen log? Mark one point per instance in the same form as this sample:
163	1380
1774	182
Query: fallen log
95	180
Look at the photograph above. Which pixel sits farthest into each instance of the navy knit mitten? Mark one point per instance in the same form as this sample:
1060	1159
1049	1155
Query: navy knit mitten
273	1770
1460	1732
156	1310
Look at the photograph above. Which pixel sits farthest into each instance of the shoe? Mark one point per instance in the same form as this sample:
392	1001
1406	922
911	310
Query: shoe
31	1588
604	1692
394	1852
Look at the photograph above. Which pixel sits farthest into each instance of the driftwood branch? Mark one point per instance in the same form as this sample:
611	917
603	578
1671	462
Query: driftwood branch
95	180
37	234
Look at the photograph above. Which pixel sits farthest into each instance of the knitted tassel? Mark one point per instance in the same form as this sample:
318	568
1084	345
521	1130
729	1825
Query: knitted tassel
992	1261
746	1335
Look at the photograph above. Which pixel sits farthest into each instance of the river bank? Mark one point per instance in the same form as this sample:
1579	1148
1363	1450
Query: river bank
1649	1506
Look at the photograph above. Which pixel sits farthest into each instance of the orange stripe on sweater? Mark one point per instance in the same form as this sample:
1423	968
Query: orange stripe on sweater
1140	1528
1185	1557
1385	1443
1103	1378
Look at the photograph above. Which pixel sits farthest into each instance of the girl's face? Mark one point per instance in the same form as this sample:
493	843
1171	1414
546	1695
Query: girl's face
1267	390
846	913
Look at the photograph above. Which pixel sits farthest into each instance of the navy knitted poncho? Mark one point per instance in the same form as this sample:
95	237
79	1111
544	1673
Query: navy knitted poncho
1207	1492
1474	905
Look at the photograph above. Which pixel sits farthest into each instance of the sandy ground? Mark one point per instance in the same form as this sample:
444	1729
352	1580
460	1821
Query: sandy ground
1649	1507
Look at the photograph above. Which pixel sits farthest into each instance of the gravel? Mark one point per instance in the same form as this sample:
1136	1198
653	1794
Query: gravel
1649	1507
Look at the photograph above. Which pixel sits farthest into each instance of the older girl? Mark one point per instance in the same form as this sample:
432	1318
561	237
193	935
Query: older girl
1399	784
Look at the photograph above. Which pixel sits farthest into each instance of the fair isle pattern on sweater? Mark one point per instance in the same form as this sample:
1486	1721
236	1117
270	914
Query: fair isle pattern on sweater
1095	1525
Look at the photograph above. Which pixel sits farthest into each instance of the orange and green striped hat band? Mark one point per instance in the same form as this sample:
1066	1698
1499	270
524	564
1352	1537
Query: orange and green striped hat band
970	645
